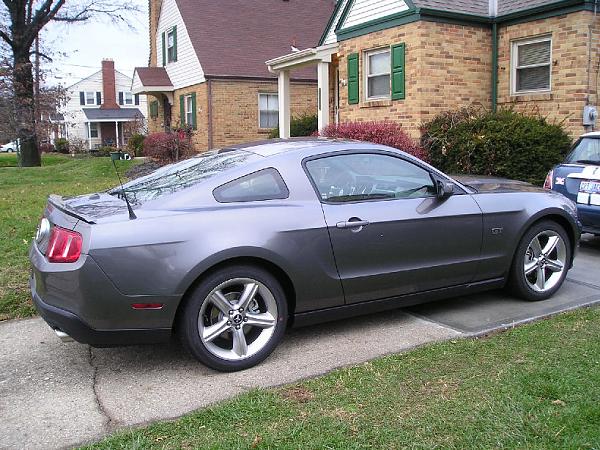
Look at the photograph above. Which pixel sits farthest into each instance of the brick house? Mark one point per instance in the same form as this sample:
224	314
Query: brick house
408	60
206	66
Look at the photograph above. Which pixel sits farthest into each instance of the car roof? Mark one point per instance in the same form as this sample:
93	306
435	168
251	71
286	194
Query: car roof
592	134
305	145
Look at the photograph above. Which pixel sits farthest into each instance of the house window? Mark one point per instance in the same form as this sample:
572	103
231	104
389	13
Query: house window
128	97
93	129
268	110
90	98
172	45
531	65
189	110
377	74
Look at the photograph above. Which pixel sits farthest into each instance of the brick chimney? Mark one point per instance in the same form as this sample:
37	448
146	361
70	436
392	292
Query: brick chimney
108	85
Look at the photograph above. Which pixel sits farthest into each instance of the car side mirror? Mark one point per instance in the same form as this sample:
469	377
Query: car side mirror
444	189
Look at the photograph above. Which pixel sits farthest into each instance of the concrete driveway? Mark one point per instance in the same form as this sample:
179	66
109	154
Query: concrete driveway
55	395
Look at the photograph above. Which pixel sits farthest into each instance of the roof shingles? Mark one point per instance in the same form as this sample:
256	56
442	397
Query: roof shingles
234	38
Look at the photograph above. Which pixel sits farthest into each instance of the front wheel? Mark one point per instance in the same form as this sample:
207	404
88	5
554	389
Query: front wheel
541	262
234	318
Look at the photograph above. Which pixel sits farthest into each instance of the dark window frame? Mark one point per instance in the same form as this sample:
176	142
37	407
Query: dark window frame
285	192
435	175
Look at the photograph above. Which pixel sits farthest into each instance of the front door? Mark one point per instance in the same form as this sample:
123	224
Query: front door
390	233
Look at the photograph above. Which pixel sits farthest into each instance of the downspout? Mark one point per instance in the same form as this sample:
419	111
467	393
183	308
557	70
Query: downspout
209	114
493	11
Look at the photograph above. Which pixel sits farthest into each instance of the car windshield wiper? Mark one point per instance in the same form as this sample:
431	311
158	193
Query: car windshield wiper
588	161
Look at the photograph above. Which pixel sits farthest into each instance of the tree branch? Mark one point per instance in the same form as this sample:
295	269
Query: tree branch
6	38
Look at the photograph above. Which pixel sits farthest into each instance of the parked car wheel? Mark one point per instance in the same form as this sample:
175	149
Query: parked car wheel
234	318
541	262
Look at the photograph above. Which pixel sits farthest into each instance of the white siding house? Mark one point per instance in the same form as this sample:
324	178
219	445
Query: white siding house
185	69
89	97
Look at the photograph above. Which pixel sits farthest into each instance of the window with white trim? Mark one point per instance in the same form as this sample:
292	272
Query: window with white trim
189	110
90	98
377	74
128	98
93	129
268	110
531	65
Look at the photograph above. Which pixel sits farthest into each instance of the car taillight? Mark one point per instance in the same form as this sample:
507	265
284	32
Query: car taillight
64	245
548	181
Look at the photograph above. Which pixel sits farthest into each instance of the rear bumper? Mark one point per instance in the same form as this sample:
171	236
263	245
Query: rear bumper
72	325
590	218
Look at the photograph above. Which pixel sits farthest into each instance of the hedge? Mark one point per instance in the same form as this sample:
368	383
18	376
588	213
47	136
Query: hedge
505	144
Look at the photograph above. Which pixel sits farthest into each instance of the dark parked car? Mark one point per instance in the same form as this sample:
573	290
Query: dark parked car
229	248
578	178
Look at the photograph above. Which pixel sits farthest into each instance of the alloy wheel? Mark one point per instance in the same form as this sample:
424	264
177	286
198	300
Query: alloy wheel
237	319
545	261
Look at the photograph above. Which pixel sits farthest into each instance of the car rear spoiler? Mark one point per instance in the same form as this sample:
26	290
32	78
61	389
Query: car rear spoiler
57	202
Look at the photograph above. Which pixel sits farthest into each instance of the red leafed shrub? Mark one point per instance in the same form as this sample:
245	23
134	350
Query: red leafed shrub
385	133
167	147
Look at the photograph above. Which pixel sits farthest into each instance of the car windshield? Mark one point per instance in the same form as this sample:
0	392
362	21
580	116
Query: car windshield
181	175
587	151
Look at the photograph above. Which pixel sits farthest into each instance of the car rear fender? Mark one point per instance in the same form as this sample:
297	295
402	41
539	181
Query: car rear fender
232	255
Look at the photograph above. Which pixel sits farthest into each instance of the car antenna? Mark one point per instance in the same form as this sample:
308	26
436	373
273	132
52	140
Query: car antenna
132	215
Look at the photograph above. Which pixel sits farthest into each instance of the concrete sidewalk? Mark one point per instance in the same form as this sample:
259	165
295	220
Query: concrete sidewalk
55	395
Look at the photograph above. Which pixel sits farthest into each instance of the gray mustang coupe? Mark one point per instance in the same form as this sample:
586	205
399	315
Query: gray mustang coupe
229	248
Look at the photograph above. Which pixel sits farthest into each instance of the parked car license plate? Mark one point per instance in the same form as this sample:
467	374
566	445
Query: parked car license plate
590	187
589	193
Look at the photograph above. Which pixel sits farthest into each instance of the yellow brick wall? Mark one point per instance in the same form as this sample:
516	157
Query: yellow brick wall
446	65
235	108
569	68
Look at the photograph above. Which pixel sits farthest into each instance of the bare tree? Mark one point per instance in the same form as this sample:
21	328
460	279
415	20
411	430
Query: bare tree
20	25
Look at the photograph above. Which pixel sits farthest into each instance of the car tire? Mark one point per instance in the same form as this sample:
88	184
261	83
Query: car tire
541	262
234	318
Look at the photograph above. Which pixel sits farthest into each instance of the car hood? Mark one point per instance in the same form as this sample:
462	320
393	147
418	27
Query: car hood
493	184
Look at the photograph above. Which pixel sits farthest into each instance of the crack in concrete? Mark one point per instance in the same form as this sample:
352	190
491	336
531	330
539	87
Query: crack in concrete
110	423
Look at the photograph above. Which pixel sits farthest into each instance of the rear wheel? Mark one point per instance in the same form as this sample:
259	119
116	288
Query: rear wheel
541	262
235	318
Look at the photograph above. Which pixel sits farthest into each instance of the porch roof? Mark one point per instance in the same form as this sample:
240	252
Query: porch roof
308	56
151	79
112	115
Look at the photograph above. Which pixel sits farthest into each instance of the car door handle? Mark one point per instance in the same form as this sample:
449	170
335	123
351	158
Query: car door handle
356	223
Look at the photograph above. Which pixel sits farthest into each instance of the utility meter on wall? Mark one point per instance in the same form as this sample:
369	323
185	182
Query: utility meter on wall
590	114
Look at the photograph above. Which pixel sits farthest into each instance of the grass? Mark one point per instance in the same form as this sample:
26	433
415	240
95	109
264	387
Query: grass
537	387
23	194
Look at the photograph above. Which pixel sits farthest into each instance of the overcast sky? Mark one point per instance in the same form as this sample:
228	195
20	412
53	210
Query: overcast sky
78	49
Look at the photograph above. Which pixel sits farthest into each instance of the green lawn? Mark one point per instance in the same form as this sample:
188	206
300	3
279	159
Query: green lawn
23	193
536	387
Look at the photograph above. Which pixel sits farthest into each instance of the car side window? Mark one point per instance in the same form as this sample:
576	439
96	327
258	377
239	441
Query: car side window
368	176
265	184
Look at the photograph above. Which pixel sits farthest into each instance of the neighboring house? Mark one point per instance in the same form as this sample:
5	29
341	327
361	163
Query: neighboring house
207	66
408	60
100	107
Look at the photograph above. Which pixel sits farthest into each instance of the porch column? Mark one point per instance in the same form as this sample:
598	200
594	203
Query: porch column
117	134
323	85
283	87
89	133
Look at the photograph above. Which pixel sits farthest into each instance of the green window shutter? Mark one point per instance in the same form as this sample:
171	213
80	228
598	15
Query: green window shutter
182	110
175	43
398	72
154	109
164	49
353	79
194	125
